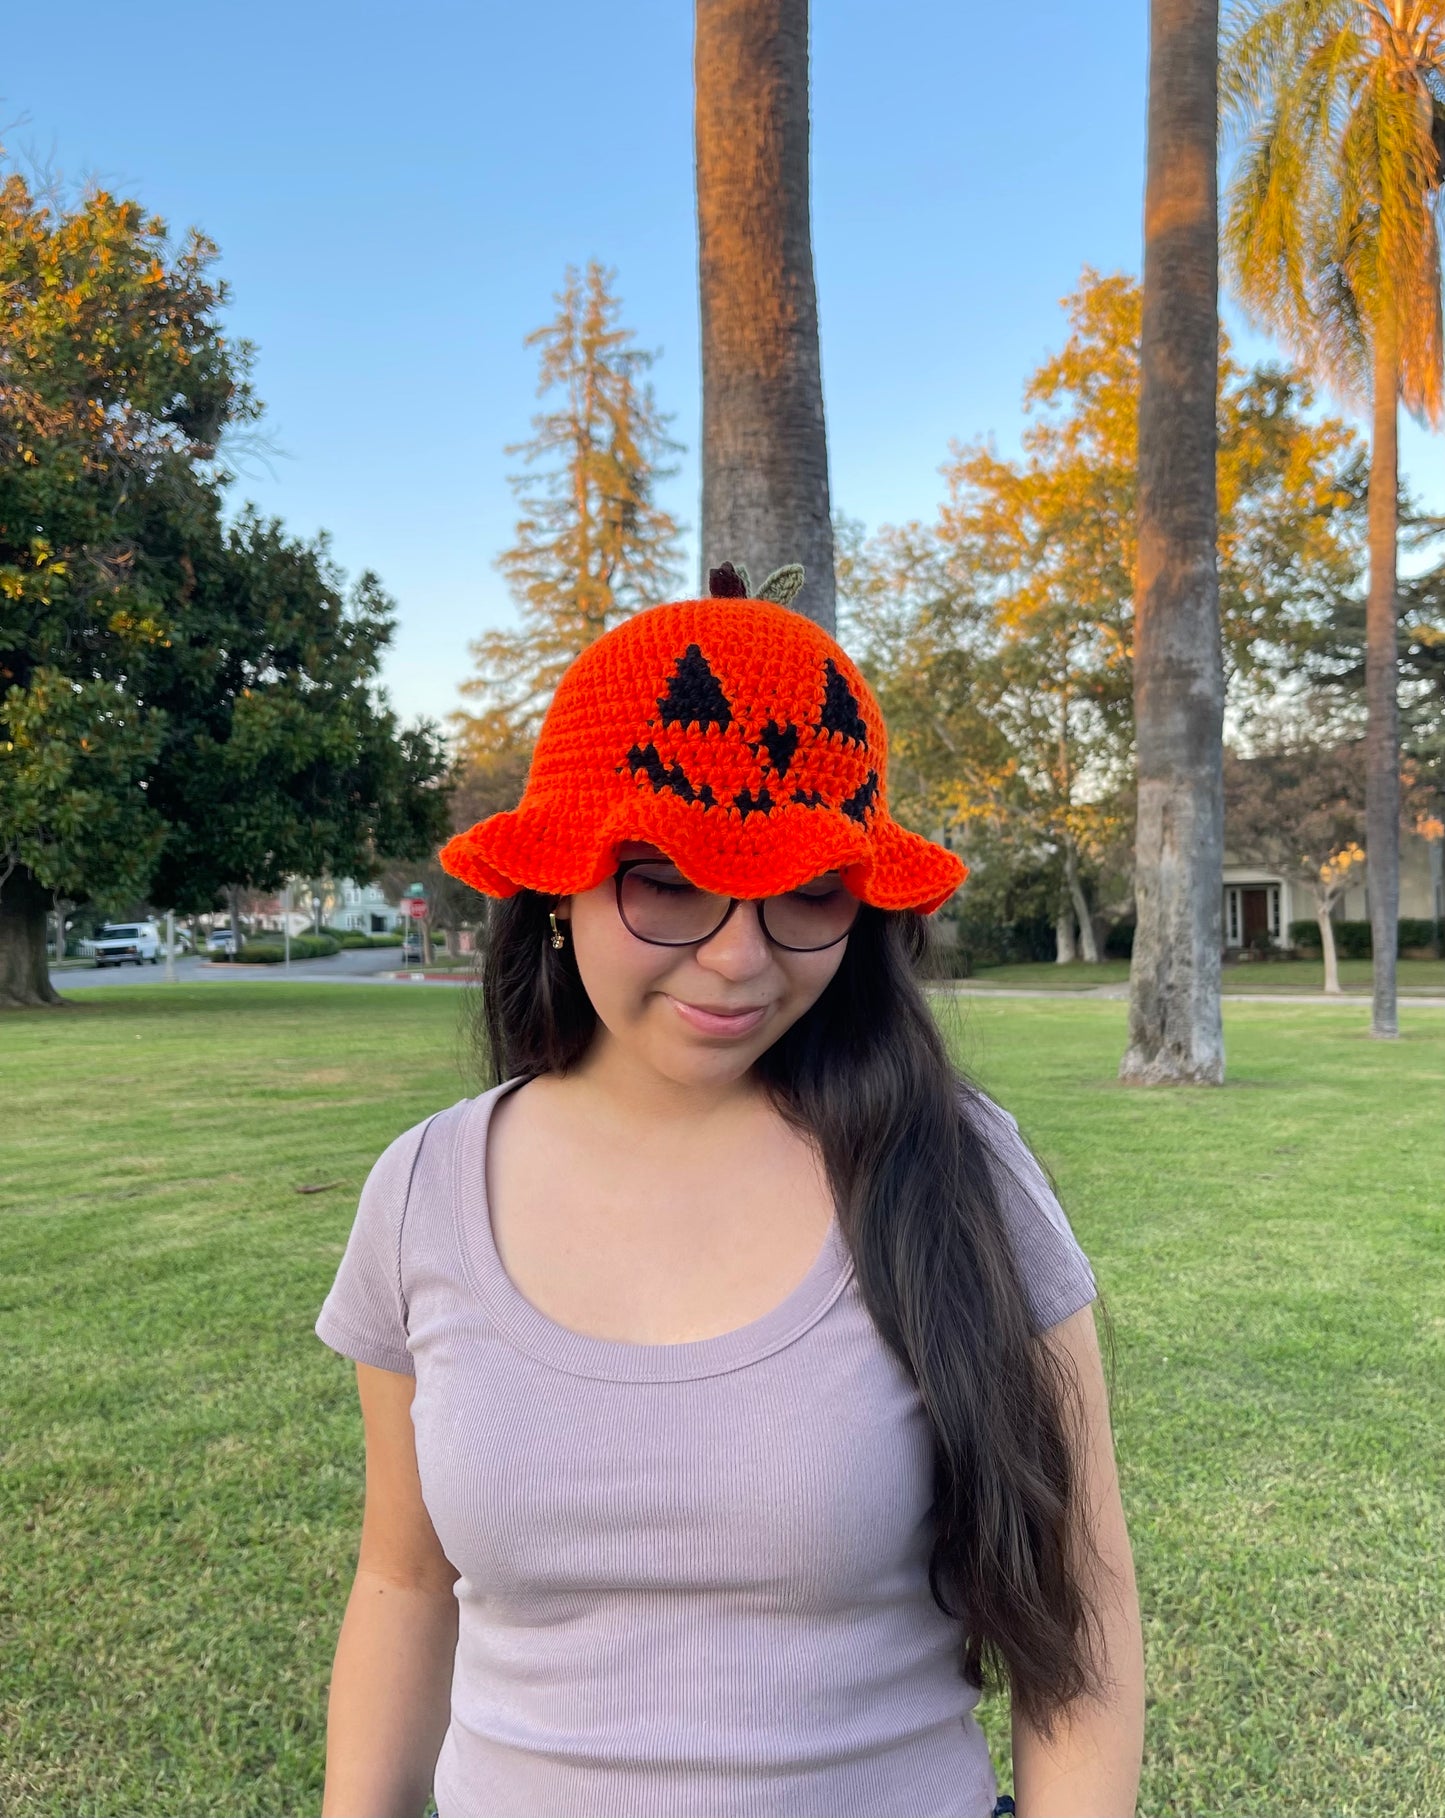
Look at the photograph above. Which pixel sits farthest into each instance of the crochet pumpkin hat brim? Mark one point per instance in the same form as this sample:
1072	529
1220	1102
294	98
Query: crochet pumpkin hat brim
734	735
536	849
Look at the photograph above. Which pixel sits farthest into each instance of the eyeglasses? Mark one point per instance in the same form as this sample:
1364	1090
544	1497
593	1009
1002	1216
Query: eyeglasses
659	905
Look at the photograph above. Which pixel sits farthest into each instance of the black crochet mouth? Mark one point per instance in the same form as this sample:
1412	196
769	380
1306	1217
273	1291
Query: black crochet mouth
694	696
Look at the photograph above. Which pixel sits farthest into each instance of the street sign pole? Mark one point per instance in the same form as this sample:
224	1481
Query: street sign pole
416	908
286	920
170	946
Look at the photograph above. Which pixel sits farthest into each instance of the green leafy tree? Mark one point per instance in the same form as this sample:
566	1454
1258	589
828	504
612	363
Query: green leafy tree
592	543
1332	242
117	386
278	756
1331	651
182	707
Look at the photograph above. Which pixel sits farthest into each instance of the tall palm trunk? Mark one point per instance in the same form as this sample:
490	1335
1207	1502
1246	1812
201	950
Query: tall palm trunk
1175	1029
1382	732
764	446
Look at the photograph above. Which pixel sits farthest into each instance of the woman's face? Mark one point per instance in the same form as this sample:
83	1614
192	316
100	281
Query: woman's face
698	1015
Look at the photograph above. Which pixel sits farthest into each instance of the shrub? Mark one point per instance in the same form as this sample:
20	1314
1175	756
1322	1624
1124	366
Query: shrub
1352	939
1421	931
984	941
272	951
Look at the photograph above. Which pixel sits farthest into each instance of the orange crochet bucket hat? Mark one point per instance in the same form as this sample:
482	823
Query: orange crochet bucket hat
733	734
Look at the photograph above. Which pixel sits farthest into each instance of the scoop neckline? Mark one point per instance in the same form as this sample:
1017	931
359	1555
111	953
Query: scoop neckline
611	1359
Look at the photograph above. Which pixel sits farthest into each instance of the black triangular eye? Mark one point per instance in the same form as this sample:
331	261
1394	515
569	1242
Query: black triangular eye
840	707
782	742
694	694
860	804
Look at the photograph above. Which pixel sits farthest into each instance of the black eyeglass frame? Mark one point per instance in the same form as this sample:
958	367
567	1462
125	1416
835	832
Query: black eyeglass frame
627	865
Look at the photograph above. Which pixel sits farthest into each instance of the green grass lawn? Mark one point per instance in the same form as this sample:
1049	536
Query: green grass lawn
1425	976
182	1458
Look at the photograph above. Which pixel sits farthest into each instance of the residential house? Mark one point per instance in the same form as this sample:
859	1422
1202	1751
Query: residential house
344	904
1257	899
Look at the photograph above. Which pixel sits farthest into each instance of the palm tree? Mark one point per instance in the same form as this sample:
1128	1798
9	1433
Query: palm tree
764	447
1331	240
1175	1028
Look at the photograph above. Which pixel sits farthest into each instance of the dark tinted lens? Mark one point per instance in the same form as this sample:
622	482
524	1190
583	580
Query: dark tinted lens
814	915
659	904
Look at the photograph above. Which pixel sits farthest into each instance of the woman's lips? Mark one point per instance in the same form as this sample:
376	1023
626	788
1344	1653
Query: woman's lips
714	1022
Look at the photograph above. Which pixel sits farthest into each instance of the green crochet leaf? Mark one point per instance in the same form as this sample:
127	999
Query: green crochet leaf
782	585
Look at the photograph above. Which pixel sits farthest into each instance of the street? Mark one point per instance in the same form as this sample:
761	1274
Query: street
351	964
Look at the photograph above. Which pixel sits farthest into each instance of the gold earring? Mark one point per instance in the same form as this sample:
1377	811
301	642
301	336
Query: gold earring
558	938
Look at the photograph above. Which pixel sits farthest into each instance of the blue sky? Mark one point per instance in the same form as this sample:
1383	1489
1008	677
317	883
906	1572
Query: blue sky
396	192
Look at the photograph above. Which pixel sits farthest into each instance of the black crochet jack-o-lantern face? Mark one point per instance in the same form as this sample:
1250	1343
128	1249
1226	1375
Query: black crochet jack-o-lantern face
708	749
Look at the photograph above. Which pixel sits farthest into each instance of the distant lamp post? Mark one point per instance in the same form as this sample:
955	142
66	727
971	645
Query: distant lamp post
170	946
316	910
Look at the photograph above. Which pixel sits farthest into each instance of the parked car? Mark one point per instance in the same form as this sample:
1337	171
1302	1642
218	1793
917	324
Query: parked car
411	954
218	940
127	943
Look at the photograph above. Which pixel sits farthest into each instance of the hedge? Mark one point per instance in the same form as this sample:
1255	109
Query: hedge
1352	939
272	952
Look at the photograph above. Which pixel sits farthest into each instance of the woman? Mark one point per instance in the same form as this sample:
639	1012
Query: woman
732	1399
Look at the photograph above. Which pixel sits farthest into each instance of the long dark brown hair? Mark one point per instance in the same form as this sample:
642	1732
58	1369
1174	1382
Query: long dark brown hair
905	1139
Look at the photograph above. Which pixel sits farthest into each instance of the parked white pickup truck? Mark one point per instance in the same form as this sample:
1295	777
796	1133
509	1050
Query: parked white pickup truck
127	943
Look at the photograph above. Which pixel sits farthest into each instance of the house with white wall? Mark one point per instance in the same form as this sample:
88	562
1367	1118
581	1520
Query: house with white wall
1258	899
361	908
364	908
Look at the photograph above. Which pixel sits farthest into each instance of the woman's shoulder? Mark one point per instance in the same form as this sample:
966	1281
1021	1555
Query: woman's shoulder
996	1126
443	1124
388	1182
1056	1272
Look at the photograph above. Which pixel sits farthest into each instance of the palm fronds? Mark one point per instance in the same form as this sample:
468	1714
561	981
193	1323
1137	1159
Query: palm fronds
1331	212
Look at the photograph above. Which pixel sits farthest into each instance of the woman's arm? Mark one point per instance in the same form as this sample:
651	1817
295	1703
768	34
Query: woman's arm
1091	1768
391	1682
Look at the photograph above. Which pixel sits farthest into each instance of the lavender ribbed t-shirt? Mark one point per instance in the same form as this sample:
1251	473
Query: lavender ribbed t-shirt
694	1577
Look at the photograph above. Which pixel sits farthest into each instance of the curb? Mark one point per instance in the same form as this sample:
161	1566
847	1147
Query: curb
1120	994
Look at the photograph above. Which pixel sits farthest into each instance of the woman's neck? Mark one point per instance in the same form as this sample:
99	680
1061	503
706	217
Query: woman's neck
632	1094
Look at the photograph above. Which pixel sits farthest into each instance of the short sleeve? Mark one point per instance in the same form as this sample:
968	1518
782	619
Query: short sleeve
1057	1276
364	1315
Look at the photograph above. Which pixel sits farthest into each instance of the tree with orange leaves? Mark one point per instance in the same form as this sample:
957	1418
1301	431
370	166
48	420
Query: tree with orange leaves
592	542
1000	638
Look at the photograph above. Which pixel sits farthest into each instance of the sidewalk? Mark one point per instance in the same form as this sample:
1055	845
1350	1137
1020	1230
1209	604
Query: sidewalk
966	988
1120	994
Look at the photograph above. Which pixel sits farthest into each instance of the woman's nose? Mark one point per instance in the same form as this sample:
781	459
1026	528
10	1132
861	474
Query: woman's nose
739	949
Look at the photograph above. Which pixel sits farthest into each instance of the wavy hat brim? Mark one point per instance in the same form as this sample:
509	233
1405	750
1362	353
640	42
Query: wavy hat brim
540	848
